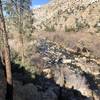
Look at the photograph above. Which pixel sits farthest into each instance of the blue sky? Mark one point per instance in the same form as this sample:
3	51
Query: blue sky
38	3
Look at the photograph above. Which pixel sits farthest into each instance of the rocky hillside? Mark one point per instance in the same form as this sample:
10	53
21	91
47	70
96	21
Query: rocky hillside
63	15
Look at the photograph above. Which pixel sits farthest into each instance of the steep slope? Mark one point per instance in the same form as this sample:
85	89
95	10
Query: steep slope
66	15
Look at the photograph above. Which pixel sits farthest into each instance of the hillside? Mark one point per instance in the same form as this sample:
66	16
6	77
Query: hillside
68	16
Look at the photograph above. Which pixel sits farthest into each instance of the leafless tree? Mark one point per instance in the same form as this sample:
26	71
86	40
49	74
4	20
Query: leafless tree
6	57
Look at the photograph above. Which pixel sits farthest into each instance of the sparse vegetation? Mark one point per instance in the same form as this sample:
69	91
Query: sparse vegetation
81	7
51	52
97	26
69	29
50	28
81	25
65	18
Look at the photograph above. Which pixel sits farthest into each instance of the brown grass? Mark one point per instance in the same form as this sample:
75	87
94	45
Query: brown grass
72	39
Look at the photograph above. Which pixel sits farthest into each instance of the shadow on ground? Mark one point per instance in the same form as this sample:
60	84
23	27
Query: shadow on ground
45	85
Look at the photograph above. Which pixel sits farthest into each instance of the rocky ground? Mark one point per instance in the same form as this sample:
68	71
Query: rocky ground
63	74
69	65
40	88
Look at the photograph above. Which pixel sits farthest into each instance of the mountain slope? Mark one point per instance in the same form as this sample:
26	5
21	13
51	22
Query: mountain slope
67	15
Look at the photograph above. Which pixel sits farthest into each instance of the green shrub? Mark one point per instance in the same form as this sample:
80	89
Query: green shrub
97	26
50	29
81	25
69	29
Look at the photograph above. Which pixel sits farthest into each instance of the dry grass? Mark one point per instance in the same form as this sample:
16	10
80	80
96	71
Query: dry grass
72	40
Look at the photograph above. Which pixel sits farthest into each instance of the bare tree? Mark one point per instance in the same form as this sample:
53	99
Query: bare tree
6	57
21	30
19	8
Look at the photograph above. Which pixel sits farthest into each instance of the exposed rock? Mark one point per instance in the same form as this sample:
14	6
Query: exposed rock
65	61
48	73
68	67
60	80
47	70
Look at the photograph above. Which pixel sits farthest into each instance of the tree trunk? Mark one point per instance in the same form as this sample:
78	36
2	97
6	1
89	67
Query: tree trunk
9	92
21	31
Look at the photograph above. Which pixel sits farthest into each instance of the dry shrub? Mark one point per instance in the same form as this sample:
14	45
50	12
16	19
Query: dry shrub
73	39
37	60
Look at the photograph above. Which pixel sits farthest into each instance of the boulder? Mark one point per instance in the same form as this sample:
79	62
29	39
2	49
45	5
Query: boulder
65	61
60	80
